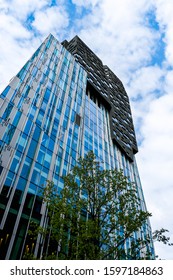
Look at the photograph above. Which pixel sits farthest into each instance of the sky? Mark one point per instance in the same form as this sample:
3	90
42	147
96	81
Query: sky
135	39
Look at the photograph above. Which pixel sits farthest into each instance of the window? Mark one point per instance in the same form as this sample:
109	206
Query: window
15	163
47	94
34	71
32	112
40	117
9	134
32	149
44	104
7	111
51	144
22	142
37	133
8	183
6	90
36	174
77	119
28	126
47	159
43	177
26	167
18	195
41	154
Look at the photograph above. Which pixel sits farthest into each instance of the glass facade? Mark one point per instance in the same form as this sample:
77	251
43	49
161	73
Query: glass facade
48	118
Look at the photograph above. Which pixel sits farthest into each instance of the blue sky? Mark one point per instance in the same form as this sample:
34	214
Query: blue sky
135	39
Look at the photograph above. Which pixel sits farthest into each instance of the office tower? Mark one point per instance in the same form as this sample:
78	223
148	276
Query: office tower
63	103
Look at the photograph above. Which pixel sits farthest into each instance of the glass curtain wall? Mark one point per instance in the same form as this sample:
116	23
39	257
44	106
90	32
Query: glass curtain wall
40	138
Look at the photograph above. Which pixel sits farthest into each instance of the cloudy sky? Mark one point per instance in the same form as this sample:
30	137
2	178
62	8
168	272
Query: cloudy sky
135	39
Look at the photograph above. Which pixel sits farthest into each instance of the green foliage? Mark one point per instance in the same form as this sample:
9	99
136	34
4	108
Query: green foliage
94	215
158	235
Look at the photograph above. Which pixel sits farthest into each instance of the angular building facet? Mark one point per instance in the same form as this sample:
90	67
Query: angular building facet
63	103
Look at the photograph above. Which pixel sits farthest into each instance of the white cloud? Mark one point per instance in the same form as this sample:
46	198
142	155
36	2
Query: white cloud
155	161
122	28
13	55
146	80
146	85
164	12
85	3
13	35
10	25
50	20
22	8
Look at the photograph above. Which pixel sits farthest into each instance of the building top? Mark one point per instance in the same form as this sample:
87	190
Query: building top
111	90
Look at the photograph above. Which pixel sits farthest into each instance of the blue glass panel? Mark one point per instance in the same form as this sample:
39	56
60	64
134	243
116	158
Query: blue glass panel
66	156
51	144
26	168
40	117
32	112
15	163
8	111
41	154
43	177
37	133
67	111
4	93
36	174
34	71
22	73
32	188
45	140
27	89
32	148
17	118
60	102
69	141
50	84
69	100
65	122
47	159
44	104
55	127
55	179
47	94
28	126
57	165
73	154
8	182
35	177
22	141
60	152
64	172
18	195
21	184
43	78
61	182
73	115
9	134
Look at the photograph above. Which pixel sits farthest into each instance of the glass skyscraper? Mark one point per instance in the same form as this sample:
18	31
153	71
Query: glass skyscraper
63	103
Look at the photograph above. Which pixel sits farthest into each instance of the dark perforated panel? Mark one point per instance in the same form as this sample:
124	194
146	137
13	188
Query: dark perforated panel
112	92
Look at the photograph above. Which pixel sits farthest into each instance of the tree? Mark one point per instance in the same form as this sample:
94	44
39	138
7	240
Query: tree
93	217
159	235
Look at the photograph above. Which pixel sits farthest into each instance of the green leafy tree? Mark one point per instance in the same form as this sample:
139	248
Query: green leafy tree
95	214
159	235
